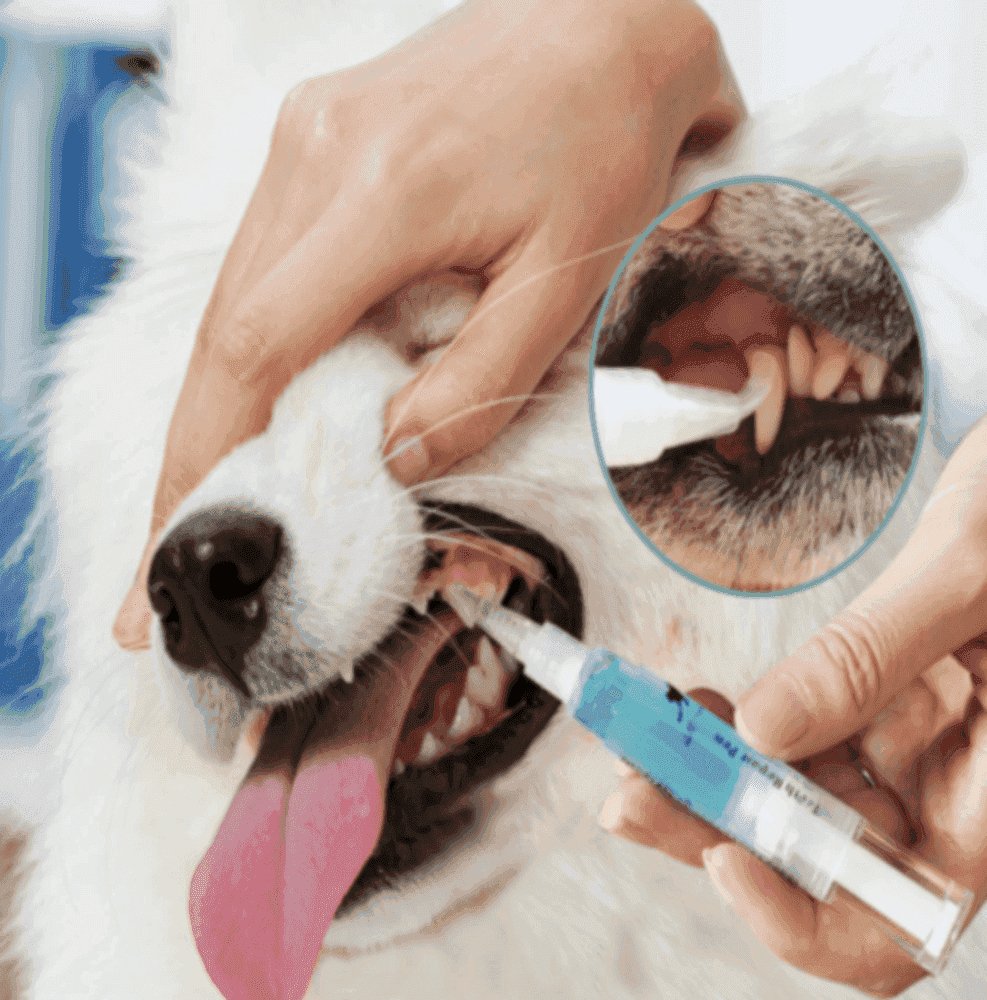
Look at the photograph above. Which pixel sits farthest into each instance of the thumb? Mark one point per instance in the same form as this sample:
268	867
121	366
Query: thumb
930	601
522	323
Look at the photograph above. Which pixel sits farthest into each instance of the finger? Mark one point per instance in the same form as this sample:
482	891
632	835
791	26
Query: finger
521	324
240	365
930	601
953	776
824	940
913	720
691	213
639	812
973	656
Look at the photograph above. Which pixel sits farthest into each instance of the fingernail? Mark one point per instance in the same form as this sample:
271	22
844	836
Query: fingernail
714	861
612	811
132	627
691	213
408	459
771	716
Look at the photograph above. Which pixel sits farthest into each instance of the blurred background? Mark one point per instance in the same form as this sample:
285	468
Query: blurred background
68	69
69	73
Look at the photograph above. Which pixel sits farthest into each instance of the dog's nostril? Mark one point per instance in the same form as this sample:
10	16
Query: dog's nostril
230	582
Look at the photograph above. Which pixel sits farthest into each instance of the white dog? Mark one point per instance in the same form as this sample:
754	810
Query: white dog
492	877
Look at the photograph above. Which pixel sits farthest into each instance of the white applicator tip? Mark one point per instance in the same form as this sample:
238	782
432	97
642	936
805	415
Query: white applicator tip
639	415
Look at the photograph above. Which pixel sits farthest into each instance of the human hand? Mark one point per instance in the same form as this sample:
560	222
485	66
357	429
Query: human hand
886	708
527	144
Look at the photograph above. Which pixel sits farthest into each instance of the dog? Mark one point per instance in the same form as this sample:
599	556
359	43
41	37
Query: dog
491	876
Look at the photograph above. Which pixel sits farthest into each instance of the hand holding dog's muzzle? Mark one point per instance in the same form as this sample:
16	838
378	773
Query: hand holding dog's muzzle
536	174
884	707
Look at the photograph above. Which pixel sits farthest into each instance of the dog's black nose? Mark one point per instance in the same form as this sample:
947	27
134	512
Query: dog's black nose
206	585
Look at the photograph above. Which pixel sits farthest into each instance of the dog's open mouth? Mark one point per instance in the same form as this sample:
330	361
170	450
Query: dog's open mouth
821	386
370	777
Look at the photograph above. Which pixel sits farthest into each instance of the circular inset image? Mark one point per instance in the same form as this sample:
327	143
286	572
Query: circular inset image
757	386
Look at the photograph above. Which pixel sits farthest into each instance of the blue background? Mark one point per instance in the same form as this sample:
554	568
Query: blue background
79	266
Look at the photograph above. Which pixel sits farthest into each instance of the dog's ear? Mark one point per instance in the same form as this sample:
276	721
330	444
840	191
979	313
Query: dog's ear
896	171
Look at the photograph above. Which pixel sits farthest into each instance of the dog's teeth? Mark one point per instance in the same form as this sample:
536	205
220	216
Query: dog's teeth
768	365
467	719
431	749
347	672
419	603
487	656
483	686
398	769
832	364
848	396
801	362
873	371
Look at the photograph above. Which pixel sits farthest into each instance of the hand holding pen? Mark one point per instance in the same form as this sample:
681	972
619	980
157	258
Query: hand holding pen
886	708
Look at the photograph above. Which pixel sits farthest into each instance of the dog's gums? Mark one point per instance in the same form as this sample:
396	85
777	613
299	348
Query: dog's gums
740	332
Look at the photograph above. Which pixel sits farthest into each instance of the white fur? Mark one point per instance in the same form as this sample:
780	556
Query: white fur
571	911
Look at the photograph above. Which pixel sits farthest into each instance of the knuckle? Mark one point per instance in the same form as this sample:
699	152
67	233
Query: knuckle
311	118
853	645
240	350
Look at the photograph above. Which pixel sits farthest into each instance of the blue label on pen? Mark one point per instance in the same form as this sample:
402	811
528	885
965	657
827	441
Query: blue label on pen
682	747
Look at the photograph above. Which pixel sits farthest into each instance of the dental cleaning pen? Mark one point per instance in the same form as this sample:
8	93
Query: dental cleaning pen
639	415
811	837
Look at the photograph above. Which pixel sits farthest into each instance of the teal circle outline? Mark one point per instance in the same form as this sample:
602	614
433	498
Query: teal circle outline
923	416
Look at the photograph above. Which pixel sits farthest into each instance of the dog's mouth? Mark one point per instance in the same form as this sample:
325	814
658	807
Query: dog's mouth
430	715
821	387
473	714
791	492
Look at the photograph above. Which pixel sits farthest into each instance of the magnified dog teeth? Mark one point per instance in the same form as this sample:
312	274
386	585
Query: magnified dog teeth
398	769
347	672
832	364
848	396
801	361
768	364
873	370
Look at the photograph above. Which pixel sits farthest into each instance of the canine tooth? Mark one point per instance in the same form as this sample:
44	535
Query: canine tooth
873	371
487	656
347	671
848	396
801	361
431	749
482	686
467	718
831	366
768	364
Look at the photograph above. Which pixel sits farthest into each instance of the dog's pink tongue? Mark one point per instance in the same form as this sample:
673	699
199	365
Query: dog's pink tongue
285	856
300	830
